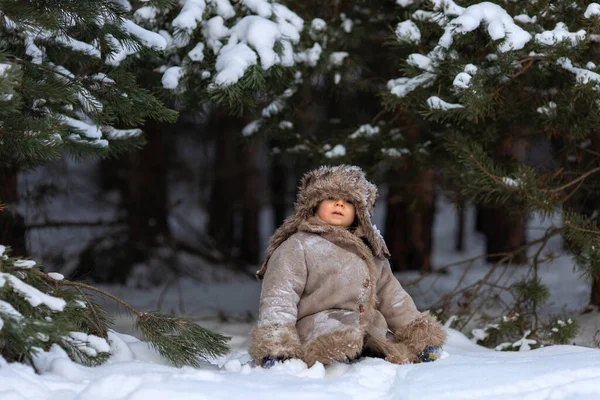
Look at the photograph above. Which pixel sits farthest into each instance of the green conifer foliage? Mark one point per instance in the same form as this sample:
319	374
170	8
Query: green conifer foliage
63	82
39	310
232	54
67	83
492	79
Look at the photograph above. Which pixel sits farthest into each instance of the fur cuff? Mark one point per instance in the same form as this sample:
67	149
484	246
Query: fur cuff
334	346
423	331
394	352
275	340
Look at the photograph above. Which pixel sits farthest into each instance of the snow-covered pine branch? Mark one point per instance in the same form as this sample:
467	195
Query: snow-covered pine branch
39	311
61	83
226	50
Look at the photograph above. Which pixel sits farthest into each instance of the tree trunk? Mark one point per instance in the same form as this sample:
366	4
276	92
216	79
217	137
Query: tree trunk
278	191
595	295
140	177
252	185
146	198
226	184
12	224
409	223
504	231
461	222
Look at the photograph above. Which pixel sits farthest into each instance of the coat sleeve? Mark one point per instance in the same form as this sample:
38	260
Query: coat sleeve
411	327
275	333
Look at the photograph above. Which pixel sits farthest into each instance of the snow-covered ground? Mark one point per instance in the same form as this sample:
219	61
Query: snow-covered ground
467	371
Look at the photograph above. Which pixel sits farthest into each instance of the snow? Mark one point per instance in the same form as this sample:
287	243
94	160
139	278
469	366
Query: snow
405	3
402	86
214	30
7	309
393	152
347	23
338	151
318	24
101	77
251	128
31	294
310	56
511	182
171	77
365	131
435	103
583	76
146	13
136	372
549	109
56	276
2	250
462	80
261	34
286	125
260	7
407	31
499	24
88	130
525	19
274	108
25	264
593	9
252	36
337	58
289	22
232	62
559	34
197	53
148	38
224	8
117	134
420	61
190	15
78	45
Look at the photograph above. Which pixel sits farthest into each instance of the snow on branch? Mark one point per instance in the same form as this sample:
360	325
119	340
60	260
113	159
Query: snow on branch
31	294
499	23
264	33
435	103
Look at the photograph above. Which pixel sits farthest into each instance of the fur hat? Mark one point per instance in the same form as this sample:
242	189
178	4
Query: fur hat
343	181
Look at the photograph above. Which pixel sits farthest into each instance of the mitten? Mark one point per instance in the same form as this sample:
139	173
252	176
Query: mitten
430	353
268	361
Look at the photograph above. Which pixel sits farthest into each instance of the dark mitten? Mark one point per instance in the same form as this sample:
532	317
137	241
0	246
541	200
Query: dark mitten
430	353
268	361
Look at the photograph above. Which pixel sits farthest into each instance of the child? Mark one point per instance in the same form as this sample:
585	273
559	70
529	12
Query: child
328	293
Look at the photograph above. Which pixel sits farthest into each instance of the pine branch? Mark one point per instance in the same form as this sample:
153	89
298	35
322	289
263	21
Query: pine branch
181	341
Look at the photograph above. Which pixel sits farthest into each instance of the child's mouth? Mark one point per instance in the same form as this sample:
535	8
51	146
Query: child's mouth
338	213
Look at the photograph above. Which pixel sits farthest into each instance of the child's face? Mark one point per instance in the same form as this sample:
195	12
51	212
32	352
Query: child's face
338	212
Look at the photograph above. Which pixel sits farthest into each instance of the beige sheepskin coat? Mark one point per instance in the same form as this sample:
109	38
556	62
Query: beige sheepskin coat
328	292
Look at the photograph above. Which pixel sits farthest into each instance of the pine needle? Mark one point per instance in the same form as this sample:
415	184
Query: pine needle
181	341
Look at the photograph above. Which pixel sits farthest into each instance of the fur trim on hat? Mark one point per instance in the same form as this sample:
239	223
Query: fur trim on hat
343	181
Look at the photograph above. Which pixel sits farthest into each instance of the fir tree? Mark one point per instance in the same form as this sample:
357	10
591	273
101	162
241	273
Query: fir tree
39	310
63	82
66	85
493	78
234	55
